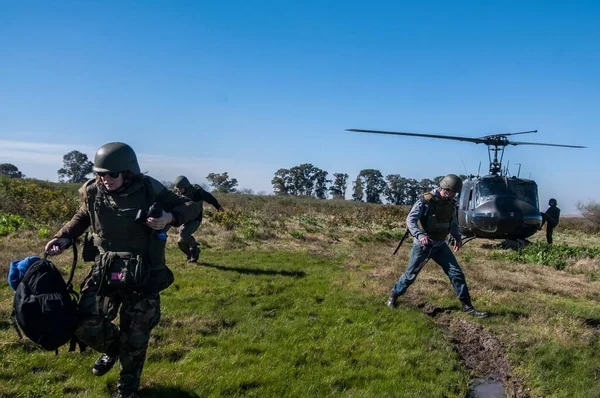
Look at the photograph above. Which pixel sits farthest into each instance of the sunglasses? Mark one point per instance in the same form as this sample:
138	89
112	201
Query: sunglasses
111	175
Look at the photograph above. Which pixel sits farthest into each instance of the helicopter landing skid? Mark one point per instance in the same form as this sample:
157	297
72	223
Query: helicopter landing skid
451	241
513	244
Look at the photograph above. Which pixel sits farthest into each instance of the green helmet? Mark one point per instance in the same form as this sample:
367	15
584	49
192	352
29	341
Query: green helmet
116	157
452	182
181	182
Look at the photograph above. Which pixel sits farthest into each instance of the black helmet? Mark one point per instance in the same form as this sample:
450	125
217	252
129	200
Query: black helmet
452	182
116	157
181	182
552	202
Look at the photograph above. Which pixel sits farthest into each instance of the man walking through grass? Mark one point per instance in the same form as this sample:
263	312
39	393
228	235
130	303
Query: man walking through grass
429	221
187	244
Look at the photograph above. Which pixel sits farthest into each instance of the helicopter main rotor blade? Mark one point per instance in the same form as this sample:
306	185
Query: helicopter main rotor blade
446	137
507	134
539	143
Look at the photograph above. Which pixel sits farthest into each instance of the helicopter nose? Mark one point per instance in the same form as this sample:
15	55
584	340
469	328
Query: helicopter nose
506	218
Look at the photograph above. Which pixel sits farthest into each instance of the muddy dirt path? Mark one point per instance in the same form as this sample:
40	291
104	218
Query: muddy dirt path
482	353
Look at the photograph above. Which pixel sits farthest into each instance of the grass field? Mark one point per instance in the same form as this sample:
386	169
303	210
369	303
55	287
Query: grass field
288	300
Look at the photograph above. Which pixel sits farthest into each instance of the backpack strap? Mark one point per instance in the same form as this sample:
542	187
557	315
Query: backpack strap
74	264
13	320
72	243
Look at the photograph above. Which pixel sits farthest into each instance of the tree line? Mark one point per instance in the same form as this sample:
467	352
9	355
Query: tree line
77	168
303	180
370	185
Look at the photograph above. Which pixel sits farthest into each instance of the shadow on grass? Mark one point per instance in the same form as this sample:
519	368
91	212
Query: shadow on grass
5	325
592	322
255	271
171	392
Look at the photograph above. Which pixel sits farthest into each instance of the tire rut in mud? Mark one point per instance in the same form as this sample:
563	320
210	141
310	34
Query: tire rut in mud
481	351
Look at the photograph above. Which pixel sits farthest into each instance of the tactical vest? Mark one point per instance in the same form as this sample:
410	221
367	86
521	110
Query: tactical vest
113	223
437	218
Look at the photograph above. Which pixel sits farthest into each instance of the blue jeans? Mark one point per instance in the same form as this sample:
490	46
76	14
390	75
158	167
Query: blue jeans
419	255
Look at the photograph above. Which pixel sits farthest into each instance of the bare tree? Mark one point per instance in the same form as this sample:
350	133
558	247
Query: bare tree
590	210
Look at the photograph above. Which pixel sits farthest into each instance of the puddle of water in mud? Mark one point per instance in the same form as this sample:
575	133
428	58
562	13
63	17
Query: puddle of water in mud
487	388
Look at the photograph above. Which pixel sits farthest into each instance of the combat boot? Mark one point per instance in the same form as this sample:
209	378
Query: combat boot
104	364
195	254
392	301
128	395
468	308
185	248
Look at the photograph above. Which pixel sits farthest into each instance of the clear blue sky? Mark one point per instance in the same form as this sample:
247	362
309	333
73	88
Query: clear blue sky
252	86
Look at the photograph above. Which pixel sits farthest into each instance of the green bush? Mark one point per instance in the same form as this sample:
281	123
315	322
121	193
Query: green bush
44	233
10	223
40	203
298	235
557	256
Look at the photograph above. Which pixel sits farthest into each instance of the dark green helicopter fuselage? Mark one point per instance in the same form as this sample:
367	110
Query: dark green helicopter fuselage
499	207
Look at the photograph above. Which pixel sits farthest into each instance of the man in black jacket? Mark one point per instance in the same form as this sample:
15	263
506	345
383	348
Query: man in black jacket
550	217
187	244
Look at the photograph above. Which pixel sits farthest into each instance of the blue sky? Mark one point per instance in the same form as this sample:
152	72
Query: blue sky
249	87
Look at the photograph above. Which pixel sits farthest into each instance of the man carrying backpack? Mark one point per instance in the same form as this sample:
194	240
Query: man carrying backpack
187	244
129	269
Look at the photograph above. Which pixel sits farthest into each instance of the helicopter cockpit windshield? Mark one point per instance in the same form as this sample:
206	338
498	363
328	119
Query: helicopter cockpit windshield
523	190
489	188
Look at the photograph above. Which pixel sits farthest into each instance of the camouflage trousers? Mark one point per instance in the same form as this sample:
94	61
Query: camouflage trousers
186	231
138	314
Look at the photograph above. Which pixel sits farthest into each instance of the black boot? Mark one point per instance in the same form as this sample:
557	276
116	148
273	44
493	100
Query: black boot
468	308
195	253
128	395
104	364
392	300
185	248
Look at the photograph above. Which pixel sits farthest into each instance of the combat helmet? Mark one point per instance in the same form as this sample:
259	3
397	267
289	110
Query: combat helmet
181	182
552	202
452	182
116	157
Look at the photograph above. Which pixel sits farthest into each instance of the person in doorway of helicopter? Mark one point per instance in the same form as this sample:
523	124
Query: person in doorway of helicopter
550	217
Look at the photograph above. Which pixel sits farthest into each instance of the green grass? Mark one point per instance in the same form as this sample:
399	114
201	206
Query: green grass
290	303
259	324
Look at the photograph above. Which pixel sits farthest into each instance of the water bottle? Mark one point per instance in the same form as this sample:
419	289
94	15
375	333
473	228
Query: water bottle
161	235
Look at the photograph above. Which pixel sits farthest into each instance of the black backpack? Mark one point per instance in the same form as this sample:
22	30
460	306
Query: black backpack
45	307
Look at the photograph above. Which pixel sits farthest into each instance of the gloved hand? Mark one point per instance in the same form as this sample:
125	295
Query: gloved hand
57	245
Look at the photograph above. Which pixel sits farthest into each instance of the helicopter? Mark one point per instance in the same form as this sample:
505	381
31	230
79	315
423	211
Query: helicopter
495	206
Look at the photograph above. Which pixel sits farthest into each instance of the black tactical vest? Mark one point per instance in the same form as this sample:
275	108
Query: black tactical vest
437	219
113	223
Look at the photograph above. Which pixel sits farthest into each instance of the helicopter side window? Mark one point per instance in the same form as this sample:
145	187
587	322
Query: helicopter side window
525	191
464	201
471	202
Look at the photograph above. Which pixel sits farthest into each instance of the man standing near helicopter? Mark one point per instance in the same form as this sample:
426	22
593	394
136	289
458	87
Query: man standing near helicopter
550	217
429	221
